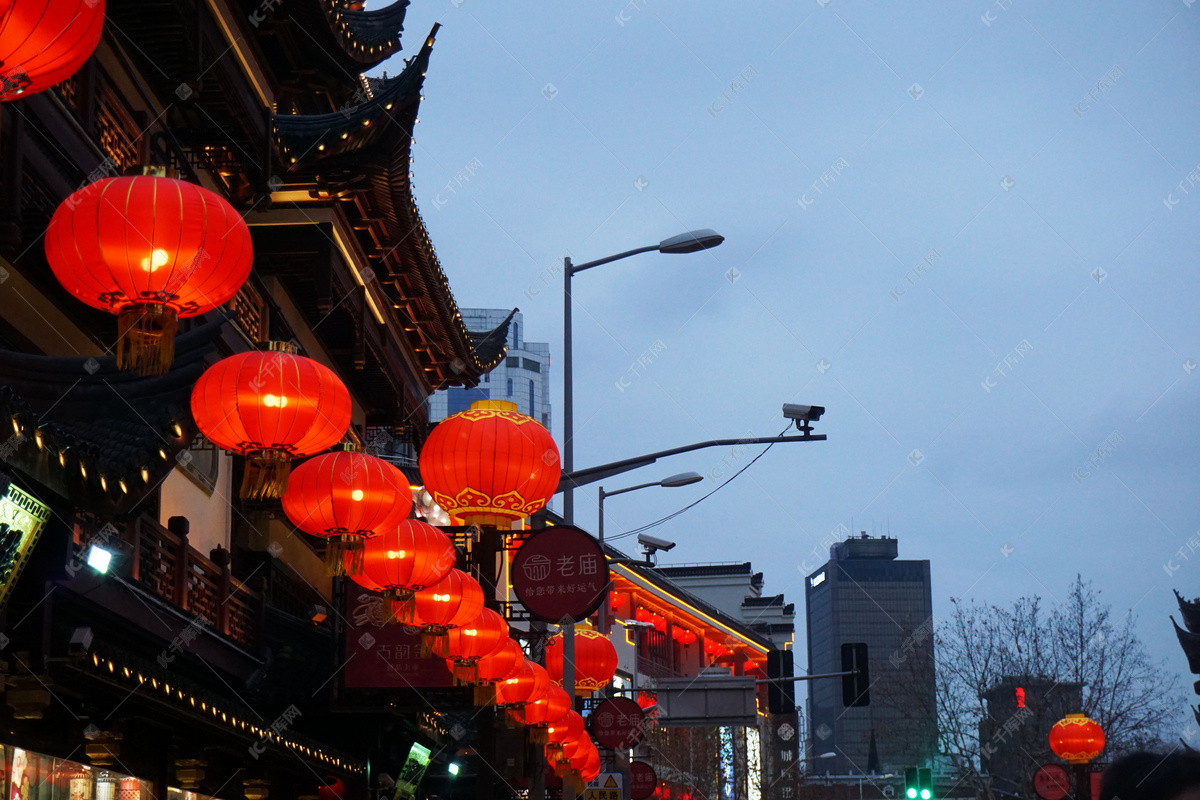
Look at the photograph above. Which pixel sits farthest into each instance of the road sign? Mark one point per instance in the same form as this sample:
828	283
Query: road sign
606	786
642	780
618	723
560	572
1052	782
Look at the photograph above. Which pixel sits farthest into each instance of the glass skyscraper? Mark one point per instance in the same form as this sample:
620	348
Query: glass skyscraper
865	595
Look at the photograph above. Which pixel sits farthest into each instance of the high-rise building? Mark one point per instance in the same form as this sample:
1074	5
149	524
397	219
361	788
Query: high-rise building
864	595
522	378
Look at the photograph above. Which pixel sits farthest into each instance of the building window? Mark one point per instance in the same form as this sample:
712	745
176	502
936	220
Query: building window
510	387
531	407
516	339
202	463
487	377
531	365
512	361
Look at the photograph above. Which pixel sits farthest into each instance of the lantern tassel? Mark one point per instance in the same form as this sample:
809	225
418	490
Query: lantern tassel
466	672
435	640
484	694
266	474
539	734
146	338
344	555
400	605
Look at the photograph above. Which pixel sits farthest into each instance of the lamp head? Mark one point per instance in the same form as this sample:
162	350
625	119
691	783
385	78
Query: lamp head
691	242
682	479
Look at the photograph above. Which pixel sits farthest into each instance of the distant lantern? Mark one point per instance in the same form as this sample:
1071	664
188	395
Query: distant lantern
404	559
595	660
490	465
44	42
150	250
1076	739
495	667
467	644
453	601
539	716
346	497
270	407
529	685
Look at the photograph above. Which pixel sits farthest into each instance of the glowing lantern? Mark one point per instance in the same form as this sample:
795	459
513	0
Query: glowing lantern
270	407
540	715
403	559
453	601
595	660
591	767
467	644
490	465
345	497
489	670
150	250
527	686
569	727
43	42
1076	739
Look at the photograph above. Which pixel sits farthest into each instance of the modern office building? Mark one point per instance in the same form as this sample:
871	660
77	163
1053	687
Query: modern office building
864	595
522	378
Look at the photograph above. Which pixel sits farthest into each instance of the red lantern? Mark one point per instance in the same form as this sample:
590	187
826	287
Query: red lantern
538	716
270	407
471	642
527	686
334	790
1076	739
595	660
569	727
404	559
498	665
490	465
453	601
345	497
591	768
43	42
149	250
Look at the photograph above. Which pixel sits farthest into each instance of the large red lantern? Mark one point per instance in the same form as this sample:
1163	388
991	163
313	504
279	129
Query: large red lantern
345	497
540	715
499	665
453	601
595	660
43	42
270	407
1076	739
527	686
150	250
490	465
404	559
569	727
474	640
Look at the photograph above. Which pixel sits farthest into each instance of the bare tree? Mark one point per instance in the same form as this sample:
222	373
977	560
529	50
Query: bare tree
1132	696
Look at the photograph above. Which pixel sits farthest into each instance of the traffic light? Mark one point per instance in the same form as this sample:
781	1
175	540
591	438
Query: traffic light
925	783
911	787
855	688
781	694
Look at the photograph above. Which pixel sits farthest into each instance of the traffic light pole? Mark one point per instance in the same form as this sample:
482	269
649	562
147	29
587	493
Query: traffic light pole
808	677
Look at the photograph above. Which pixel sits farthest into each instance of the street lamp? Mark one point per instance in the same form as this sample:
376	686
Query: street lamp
690	242
674	481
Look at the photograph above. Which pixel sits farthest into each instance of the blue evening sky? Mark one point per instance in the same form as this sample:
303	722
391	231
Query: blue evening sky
967	229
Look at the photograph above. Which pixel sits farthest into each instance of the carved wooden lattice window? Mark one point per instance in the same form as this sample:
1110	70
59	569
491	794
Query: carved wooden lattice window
68	90
201	462
250	312
117	132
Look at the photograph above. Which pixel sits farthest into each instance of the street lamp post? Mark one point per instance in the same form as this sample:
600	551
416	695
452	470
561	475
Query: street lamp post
675	481
689	242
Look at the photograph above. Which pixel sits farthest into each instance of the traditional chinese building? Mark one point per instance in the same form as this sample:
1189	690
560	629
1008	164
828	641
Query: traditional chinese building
159	634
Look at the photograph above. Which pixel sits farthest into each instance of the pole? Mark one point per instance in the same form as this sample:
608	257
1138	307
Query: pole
568	395
604	604
1083	782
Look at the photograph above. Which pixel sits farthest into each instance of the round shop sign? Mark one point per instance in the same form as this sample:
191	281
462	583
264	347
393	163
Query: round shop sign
618	723
642	780
560	572
1051	782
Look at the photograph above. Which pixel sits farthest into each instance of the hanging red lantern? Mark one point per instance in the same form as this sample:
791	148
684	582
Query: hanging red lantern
569	727
595	660
591	767
539	715
345	497
43	42
498	665
1076	739
490	465
471	642
150	250
404	559
453	601
270	407
527	686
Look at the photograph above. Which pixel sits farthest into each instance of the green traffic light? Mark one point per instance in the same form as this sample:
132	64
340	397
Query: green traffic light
926	794
912	793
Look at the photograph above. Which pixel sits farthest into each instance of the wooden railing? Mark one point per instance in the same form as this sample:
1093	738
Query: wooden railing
164	563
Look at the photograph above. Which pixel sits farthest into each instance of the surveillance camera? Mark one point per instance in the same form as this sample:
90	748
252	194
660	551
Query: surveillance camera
653	543
802	413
